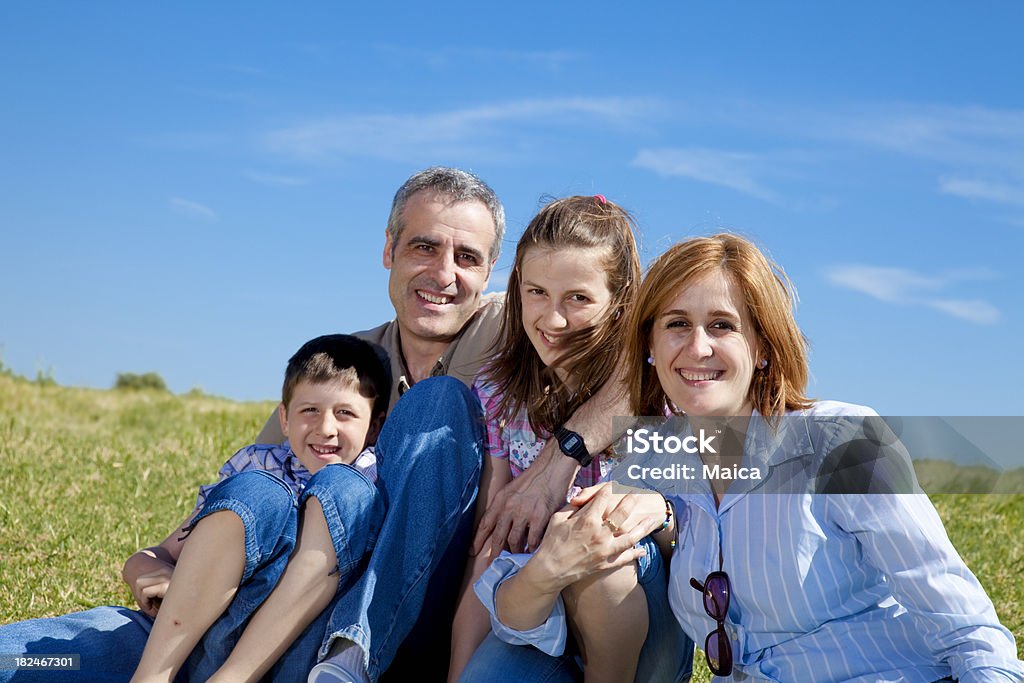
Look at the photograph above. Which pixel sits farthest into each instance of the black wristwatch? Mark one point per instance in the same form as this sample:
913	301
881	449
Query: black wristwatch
572	445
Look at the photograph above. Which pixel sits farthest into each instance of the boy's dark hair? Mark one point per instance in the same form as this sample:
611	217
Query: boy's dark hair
341	356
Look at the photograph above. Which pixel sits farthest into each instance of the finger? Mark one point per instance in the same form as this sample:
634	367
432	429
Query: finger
498	538
537	529
626	557
517	535
487	523
157	590
584	496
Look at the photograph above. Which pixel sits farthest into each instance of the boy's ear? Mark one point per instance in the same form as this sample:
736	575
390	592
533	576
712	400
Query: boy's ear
282	416
376	424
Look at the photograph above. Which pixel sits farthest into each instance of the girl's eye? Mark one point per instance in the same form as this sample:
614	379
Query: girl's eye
580	298
535	291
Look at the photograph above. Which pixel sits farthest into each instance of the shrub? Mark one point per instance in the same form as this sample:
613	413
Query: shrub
150	380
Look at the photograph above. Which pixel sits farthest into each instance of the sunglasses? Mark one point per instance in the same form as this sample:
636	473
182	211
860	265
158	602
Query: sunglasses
717	648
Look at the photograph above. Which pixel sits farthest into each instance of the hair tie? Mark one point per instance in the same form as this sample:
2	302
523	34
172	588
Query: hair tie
600	198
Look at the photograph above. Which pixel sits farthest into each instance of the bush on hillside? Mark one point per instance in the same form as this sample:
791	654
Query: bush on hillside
130	380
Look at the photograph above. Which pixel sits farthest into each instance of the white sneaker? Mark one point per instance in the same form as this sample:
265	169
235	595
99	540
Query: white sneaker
328	671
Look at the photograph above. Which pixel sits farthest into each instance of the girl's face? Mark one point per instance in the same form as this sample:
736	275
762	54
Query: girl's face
562	291
705	348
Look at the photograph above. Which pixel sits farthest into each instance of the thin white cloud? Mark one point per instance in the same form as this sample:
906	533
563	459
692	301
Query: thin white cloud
983	190
908	287
404	136
734	170
192	209
972	310
275	180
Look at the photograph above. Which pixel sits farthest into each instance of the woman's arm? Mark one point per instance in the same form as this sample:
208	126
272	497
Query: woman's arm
903	536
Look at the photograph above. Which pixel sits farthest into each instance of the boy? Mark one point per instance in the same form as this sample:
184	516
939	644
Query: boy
231	593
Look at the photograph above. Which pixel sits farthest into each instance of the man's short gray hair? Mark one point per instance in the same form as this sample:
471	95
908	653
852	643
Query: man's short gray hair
455	185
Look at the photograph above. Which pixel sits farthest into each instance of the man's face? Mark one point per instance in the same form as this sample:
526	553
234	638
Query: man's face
439	265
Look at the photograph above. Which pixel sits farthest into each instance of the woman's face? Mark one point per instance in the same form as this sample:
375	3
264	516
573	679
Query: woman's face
705	348
562	291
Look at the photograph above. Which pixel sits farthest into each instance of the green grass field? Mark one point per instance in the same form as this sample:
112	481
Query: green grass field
91	476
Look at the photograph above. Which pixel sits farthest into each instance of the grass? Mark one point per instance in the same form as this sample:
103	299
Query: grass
91	476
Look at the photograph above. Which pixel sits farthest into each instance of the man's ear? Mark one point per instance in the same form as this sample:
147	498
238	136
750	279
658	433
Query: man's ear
490	269
376	424
282	416
389	249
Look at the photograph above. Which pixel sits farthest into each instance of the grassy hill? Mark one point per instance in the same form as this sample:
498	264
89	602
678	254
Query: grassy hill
91	476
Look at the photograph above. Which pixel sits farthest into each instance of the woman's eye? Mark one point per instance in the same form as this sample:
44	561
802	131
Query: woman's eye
723	325
580	299
677	323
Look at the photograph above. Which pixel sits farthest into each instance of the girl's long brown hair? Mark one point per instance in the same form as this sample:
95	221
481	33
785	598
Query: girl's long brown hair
521	378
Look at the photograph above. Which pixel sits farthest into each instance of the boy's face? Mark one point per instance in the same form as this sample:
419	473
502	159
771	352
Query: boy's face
328	422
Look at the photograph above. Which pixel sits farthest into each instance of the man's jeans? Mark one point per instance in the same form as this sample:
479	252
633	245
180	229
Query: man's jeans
429	459
429	468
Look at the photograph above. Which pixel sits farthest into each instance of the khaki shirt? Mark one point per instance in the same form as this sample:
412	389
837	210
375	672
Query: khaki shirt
461	360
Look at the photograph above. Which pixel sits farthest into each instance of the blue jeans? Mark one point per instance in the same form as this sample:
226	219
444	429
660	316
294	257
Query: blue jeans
399	611
666	657
110	640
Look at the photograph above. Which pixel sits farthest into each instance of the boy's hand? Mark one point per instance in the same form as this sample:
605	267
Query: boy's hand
149	589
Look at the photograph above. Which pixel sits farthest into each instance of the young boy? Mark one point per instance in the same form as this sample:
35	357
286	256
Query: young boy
231	593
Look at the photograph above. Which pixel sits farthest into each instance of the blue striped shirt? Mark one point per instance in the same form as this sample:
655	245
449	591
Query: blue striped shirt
826	587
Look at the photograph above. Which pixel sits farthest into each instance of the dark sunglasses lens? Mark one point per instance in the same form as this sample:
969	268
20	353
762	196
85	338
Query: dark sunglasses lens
716	596
719	652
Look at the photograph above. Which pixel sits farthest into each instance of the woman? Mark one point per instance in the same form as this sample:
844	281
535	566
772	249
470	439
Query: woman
779	581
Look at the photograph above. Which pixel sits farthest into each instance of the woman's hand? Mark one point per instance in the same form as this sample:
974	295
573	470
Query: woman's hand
597	531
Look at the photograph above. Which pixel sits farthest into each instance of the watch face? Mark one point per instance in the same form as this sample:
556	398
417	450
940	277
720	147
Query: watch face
573	442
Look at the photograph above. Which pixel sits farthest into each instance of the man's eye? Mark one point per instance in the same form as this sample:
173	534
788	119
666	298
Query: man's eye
309	410
468	259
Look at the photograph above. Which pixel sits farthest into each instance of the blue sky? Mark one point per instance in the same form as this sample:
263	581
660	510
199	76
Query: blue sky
196	189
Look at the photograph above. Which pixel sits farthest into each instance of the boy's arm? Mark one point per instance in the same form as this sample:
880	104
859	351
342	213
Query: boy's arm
520	512
271	432
148	572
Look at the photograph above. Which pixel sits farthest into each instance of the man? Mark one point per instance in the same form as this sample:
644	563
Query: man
442	240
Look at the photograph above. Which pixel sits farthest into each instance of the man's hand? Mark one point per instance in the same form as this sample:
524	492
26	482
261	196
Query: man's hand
520	512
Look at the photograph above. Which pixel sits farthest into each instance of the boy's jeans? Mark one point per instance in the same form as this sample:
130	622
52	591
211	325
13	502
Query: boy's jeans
429	468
